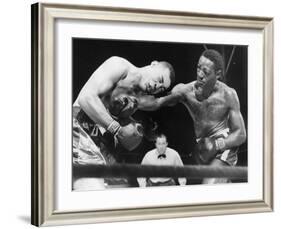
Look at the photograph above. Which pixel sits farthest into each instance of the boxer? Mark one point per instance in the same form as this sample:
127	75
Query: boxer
215	110
105	106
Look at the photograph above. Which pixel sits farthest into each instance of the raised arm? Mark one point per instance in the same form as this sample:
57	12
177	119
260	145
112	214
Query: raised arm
150	103
101	83
236	123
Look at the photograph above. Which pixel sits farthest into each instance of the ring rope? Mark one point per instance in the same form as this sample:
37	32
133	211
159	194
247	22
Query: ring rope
135	170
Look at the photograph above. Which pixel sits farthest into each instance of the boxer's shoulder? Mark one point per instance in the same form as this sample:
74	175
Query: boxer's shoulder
117	59
225	88
229	94
190	90
181	89
117	64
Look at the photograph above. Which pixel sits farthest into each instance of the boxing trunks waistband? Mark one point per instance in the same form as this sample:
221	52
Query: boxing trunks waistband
91	128
220	134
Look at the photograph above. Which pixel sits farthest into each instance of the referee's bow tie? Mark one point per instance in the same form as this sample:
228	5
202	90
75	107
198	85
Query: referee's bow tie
162	156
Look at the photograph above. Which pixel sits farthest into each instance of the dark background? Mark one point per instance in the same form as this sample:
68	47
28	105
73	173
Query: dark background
175	122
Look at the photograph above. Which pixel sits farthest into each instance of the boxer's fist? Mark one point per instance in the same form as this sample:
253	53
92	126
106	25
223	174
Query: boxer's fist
130	136
205	150
123	106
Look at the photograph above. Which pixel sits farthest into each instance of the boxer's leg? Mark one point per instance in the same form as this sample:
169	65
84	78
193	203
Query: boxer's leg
85	151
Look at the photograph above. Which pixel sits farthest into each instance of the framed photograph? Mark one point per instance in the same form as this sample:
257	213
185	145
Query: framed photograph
174	108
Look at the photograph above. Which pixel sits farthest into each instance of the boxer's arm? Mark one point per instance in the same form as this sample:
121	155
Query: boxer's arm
101	83
150	103
236	123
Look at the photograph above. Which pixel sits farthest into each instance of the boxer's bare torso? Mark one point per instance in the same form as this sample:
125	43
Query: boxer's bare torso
123	99
221	109
118	84
124	84
210	113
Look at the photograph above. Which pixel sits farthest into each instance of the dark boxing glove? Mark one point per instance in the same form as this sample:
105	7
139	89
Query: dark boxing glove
123	106
205	150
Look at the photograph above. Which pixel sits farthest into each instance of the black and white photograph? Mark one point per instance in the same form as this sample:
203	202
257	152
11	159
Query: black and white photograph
142	114
148	113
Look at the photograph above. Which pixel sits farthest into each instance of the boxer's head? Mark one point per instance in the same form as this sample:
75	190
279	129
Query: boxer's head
157	77
161	143
210	65
209	69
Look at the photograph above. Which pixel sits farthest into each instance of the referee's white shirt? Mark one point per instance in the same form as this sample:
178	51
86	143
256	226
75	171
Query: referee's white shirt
151	158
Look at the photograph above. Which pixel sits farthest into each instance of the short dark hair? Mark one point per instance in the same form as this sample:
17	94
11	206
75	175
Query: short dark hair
216	58
171	70
161	136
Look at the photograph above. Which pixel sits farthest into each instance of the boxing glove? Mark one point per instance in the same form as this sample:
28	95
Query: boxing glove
130	136
123	106
205	150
